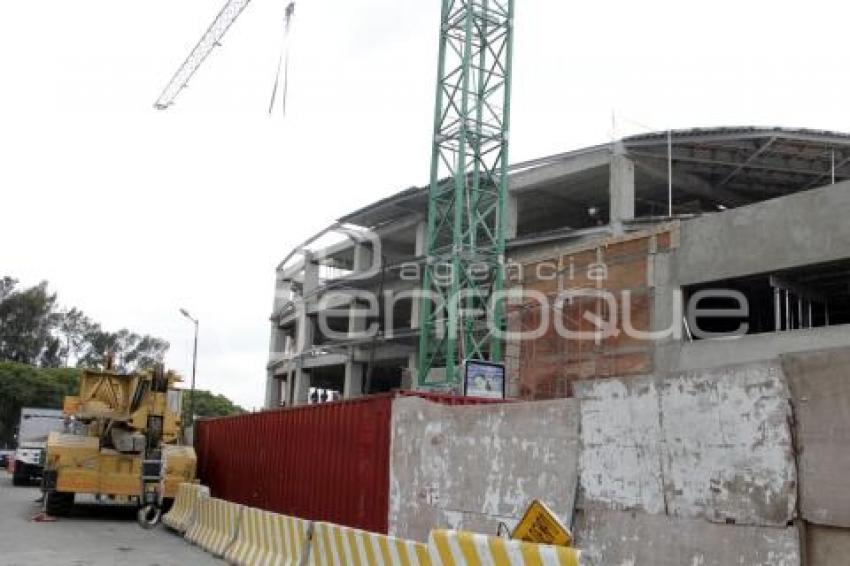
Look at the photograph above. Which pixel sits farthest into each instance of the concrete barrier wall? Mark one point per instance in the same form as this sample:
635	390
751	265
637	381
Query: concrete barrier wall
820	386
695	467
610	538
713	443
473	467
827	546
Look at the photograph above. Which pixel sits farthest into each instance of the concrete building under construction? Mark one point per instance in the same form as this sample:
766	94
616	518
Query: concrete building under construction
672	217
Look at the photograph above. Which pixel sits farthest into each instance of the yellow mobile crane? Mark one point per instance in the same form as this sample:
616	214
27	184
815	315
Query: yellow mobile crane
122	440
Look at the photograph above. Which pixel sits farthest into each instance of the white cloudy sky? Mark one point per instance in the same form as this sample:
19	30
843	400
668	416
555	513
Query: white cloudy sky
132	213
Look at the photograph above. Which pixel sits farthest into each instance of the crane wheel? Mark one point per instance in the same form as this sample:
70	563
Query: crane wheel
59	504
148	516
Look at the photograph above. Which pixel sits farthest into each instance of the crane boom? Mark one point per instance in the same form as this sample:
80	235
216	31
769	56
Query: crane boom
208	41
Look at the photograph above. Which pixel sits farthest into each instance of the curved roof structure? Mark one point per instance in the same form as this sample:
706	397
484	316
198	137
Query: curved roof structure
713	168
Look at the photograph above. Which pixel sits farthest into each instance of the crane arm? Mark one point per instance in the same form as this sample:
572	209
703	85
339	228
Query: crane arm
208	41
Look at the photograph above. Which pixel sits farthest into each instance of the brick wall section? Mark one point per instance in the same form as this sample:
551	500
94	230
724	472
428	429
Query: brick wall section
544	367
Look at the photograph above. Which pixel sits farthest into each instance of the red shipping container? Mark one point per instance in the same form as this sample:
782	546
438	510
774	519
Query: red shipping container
326	462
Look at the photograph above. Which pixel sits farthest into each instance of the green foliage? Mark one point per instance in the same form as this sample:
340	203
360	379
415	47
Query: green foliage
33	331
26	319
23	385
209	405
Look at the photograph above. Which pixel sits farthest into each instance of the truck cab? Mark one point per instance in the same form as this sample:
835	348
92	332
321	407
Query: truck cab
35	426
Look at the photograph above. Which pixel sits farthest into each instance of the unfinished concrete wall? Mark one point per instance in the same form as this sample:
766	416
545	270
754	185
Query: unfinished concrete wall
714	444
799	229
471	467
617	538
702	354
820	387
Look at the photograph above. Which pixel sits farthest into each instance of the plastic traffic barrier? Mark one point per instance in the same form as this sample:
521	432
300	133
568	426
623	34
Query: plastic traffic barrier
460	548
184	509
268	539
215	526
334	545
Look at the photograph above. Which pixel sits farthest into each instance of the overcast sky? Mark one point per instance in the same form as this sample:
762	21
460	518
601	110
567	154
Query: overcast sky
131	213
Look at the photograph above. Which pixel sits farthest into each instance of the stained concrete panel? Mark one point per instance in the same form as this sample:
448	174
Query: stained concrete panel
820	390
471	467
728	447
710	443
827	546
618	538
620	460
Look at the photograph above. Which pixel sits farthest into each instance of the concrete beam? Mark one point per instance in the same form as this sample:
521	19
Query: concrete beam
569	164
799	229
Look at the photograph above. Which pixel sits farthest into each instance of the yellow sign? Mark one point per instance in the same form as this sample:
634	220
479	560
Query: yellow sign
540	525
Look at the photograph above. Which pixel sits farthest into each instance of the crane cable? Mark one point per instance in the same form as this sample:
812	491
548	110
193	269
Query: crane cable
283	61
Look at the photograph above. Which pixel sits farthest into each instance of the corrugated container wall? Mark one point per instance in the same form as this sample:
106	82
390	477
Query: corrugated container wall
327	462
324	462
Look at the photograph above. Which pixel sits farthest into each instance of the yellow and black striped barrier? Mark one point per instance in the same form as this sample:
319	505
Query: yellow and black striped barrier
182	513
215	526
268	539
334	545
459	548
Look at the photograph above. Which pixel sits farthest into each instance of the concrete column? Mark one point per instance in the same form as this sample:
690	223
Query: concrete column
311	276
303	329
621	189
285	382
362	257
277	340
272	391
421	234
353	385
419	250
511	216
282	293
301	390
408	378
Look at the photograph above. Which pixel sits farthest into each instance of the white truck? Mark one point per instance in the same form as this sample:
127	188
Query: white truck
36	424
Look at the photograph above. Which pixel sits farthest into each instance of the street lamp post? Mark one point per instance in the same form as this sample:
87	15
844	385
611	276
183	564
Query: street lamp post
185	313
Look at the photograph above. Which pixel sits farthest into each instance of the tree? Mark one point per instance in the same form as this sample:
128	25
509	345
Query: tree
34	331
98	344
209	405
7	285
23	385
74	325
26	321
148	351
130	351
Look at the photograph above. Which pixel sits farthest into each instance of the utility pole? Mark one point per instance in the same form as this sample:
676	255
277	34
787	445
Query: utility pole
185	313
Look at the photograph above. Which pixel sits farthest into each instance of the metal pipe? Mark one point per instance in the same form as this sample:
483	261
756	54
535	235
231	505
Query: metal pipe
787	310
833	166
777	309
670	173
185	313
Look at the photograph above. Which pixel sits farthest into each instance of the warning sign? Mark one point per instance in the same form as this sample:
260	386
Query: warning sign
540	525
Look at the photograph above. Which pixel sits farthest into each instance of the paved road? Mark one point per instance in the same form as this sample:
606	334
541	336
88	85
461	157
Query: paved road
92	536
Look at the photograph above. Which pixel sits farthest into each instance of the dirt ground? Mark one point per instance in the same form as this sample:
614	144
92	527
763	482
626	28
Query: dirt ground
93	535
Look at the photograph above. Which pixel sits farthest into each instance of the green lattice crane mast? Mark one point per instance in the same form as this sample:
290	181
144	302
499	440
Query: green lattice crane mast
465	241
